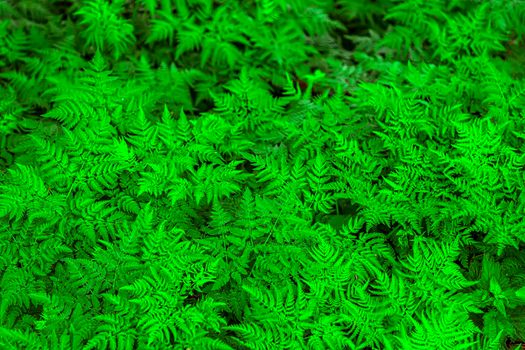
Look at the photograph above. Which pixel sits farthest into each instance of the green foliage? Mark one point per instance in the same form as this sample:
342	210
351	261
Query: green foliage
263	174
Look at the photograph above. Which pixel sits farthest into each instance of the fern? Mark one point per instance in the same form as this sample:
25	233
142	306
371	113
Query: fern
105	28
267	174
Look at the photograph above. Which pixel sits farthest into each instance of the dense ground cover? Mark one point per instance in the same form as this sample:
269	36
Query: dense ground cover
269	174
